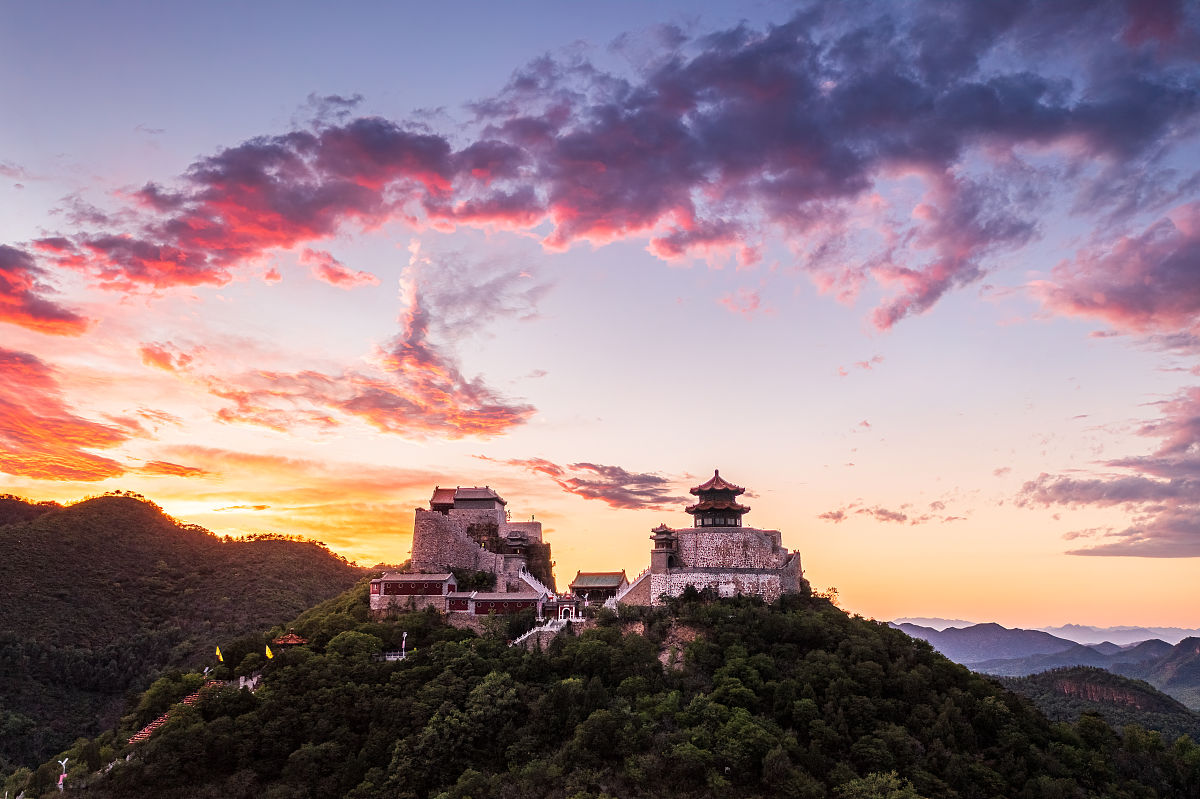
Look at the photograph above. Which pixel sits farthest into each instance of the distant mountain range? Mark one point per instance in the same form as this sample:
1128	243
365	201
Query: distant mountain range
1079	633
1122	636
993	649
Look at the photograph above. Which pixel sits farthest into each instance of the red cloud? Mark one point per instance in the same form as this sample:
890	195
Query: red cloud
22	300
787	129
171	469
40	436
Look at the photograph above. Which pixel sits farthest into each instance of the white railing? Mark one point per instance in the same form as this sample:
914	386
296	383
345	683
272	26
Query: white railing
534	583
550	626
612	601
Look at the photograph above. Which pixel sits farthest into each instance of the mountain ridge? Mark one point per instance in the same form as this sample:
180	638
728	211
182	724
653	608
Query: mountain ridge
98	597
992	649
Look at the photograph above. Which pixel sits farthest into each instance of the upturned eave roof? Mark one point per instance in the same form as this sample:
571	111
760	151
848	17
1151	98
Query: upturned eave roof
717	483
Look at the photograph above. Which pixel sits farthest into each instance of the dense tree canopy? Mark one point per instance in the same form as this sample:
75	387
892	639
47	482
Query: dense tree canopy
704	698
98	598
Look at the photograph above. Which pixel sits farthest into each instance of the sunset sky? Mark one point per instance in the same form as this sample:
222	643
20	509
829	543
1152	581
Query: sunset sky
925	278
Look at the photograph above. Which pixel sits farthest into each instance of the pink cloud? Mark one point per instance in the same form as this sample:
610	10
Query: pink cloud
1159	490
418	390
1145	283
865	366
789	129
328	269
746	302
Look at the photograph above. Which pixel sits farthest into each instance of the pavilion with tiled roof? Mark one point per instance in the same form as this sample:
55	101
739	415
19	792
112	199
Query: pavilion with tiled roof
598	585
718	505
291	639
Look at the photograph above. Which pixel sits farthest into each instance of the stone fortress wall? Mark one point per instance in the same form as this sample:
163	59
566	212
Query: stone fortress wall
444	541
730	547
769	584
441	542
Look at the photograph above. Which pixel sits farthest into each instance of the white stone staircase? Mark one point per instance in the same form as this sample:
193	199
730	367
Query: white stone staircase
534	583
549	626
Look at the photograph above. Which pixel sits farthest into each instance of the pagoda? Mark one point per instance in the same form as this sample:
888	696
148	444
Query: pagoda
718	505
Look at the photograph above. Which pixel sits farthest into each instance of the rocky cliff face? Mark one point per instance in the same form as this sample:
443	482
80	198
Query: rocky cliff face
1113	695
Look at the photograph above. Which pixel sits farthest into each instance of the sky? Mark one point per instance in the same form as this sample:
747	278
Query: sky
923	277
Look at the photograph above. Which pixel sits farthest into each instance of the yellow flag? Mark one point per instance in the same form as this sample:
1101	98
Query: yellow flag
270	654
220	657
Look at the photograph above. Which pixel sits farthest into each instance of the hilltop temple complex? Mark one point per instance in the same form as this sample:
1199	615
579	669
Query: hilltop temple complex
717	552
470	530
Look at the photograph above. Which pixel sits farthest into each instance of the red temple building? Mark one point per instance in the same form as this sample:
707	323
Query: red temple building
397	590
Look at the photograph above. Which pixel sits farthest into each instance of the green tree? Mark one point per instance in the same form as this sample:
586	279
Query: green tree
878	786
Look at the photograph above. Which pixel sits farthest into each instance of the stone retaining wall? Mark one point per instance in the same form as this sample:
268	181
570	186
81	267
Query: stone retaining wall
441	542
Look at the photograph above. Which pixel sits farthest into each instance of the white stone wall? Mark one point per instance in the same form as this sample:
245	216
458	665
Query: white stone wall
768	585
730	548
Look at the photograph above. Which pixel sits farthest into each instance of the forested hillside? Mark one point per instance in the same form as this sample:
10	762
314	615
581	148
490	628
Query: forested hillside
1066	694
705	698
98	597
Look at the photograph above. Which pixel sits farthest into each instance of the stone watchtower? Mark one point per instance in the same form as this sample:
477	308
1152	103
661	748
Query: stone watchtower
718	552
665	555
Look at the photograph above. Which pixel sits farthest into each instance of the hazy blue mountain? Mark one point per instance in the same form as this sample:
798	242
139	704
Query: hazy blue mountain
1176	673
934	622
1122	636
1077	655
986	642
992	649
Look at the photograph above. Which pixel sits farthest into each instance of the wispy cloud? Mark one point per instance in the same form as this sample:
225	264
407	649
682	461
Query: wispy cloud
332	271
1161	490
612	485
908	513
414	385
